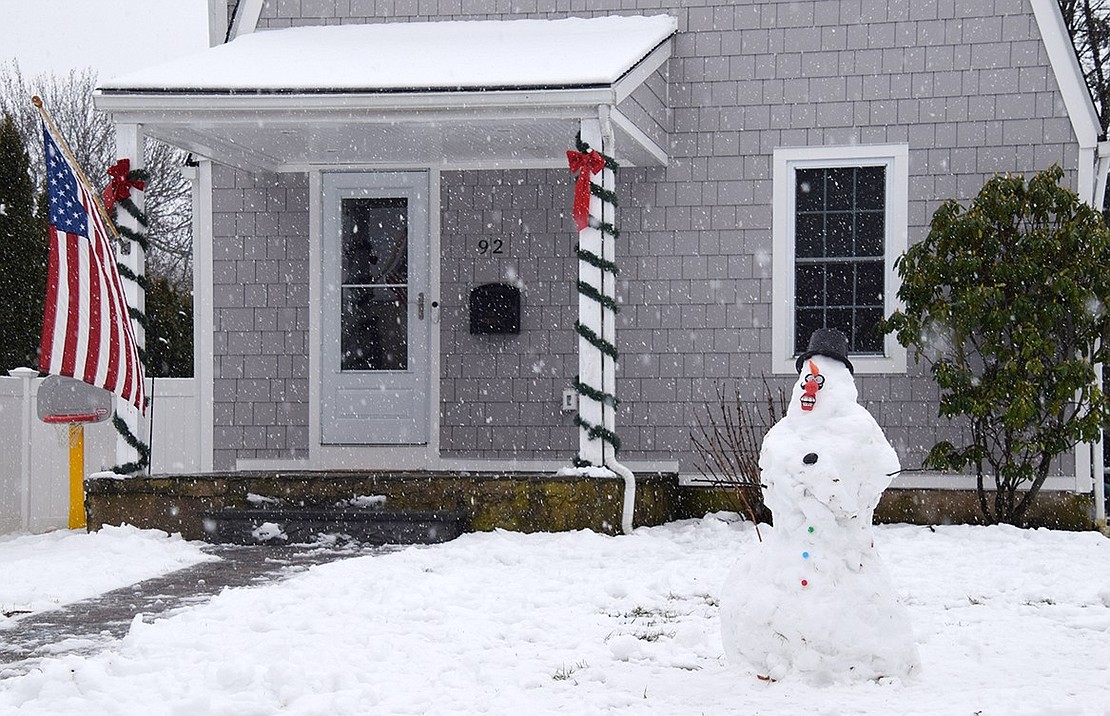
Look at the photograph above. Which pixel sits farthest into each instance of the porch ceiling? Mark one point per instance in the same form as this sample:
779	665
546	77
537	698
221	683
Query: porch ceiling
433	100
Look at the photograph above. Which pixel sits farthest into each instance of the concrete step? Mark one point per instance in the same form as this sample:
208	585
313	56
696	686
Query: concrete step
304	525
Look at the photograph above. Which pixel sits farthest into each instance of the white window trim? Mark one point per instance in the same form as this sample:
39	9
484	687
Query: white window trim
895	157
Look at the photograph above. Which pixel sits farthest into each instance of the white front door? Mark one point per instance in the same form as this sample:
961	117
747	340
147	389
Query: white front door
374	322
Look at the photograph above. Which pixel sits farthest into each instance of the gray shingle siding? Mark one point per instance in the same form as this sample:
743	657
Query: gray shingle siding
500	394
967	85
260	272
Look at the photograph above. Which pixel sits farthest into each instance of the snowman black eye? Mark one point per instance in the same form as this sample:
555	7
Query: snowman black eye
810	458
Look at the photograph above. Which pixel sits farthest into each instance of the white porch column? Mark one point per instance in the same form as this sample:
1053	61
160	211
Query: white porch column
591	361
200	180
597	309
129	144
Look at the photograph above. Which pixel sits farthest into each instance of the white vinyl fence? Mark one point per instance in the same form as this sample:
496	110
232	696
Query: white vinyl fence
34	456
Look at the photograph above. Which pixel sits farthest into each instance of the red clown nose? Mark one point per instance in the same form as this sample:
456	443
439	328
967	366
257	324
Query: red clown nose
812	385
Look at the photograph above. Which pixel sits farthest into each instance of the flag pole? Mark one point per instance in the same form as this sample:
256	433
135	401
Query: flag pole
37	101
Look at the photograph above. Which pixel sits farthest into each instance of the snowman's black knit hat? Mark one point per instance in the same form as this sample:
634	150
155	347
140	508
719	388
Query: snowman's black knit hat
827	342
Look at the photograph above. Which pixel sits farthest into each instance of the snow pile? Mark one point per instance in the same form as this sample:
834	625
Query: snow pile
1008	622
269	531
814	598
413	56
365	502
40	572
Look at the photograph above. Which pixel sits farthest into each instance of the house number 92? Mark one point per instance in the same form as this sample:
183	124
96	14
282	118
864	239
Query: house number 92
491	246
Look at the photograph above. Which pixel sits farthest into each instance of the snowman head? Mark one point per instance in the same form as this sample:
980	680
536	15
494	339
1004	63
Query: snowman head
825	386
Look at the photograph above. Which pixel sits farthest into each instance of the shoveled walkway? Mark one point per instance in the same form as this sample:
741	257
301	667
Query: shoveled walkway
90	625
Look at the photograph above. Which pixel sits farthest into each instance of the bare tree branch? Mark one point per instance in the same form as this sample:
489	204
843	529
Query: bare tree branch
91	136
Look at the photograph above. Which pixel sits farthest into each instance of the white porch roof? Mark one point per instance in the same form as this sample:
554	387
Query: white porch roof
452	94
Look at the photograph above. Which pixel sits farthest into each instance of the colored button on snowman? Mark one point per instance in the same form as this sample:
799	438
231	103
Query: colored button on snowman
814	599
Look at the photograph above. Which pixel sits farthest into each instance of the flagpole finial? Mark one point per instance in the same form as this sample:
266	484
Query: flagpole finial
37	101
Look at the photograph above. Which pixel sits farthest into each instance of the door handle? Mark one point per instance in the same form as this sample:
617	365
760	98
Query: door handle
420	306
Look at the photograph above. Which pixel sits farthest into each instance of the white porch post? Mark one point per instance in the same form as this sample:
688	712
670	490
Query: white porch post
200	180
591	361
597	310
129	144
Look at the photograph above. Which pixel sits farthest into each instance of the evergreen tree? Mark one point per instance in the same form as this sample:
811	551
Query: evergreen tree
169	330
23	254
1007	301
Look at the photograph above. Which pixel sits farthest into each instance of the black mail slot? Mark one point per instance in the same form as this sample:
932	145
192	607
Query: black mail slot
494	309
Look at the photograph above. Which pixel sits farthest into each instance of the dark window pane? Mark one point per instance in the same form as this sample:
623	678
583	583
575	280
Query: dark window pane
840	243
809	237
375	241
374	329
809	193
866	338
838	236
869	283
870	187
807	321
840	319
839	189
839	285
809	285
870	236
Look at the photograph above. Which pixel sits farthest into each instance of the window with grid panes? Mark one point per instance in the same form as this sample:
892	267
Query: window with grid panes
839	234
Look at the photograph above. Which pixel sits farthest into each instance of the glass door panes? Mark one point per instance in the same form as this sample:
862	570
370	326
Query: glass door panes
375	284
839	246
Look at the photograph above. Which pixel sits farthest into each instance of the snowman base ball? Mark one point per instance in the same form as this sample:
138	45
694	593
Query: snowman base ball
813	600
828	623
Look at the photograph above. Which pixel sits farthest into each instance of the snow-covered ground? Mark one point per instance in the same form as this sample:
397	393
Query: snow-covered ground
1008	622
40	572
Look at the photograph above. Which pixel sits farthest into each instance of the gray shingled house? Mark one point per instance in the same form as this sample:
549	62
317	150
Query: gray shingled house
374	175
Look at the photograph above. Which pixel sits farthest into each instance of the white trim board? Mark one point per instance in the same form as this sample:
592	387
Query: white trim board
246	18
384	459
926	481
1065	67
786	159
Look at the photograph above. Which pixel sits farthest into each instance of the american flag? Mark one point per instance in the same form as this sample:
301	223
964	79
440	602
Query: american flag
86	329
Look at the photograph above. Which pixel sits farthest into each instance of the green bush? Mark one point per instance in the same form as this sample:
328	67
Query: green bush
23	255
1007	302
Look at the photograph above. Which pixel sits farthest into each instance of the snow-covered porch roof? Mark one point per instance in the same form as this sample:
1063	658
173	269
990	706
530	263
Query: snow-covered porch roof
450	94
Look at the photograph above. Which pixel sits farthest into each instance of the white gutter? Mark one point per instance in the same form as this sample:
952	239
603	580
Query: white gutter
525	101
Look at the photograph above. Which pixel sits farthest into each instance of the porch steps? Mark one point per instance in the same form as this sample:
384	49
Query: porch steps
302	525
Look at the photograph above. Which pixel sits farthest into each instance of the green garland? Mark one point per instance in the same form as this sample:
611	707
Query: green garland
139	237
130	468
609	303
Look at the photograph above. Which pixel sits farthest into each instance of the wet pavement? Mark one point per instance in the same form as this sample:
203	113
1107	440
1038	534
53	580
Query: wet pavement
92	624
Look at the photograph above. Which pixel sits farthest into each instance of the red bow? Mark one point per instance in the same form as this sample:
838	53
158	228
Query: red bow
119	187
584	165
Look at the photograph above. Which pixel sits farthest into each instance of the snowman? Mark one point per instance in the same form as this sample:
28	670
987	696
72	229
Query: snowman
814	599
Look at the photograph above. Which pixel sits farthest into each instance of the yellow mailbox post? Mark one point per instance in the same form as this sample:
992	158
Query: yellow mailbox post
73	403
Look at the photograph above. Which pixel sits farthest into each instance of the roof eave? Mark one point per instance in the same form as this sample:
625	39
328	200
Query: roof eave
135	105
